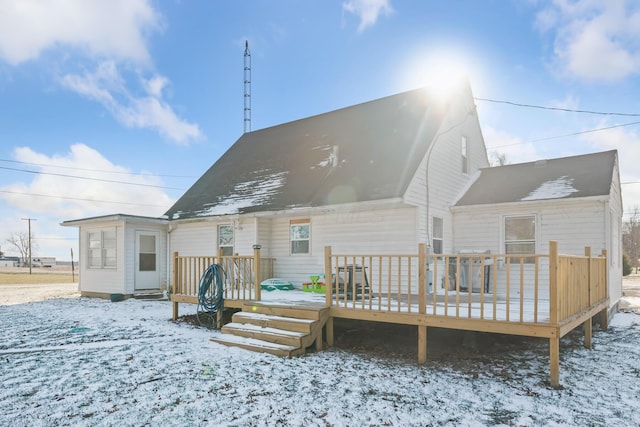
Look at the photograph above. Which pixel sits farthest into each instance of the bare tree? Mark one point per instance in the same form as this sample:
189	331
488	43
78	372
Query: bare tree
631	237
498	159
21	242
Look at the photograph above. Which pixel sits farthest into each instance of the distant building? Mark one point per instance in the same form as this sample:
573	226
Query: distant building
10	261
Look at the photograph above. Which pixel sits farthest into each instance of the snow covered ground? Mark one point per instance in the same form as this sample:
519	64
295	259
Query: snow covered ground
78	361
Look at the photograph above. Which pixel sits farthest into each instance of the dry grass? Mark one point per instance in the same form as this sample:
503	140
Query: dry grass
14	276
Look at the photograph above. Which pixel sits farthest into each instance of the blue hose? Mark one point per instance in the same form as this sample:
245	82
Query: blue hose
211	292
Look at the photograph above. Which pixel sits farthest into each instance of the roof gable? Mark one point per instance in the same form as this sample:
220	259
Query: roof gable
365	152
569	177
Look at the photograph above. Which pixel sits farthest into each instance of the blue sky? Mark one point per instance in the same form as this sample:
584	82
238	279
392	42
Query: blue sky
118	106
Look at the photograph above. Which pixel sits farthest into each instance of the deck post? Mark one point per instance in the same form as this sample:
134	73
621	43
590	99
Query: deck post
175	285
422	301
554	342
256	271
328	285
604	314
553	282
554	365
329	331
422	344
422	278
588	330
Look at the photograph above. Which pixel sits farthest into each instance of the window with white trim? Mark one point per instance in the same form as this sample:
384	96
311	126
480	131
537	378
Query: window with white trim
464	154
300	234
438	232
520	236
225	239
101	248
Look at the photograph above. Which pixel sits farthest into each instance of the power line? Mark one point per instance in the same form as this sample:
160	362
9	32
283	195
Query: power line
567	135
96	170
91	179
80	199
568	110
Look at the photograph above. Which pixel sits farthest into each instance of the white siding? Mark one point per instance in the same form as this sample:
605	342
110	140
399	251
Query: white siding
574	224
444	175
103	280
615	248
388	231
192	239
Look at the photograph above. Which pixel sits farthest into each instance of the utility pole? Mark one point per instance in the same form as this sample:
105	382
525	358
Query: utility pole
29	219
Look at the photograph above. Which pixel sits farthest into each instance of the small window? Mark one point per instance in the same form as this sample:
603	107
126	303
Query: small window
464	153
520	236
438	232
147	256
102	248
300	236
225	239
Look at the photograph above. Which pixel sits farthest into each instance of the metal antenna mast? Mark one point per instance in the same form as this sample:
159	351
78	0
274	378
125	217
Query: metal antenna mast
247	87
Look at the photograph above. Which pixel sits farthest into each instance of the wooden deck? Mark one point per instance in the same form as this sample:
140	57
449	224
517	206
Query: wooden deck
544	295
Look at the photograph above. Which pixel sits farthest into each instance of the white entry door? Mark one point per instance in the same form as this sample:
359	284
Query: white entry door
147	268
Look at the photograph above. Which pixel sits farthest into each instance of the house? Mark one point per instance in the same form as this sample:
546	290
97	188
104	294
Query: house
377	177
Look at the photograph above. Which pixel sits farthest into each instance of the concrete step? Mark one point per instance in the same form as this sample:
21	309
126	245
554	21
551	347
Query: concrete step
257	345
277	322
152	294
274	335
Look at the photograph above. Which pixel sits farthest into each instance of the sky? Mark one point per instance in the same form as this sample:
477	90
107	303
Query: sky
119	106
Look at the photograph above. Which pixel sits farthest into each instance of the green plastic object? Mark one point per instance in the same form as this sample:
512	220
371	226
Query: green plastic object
276	285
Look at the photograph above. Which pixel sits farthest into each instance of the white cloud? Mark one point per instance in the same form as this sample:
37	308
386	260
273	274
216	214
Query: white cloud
51	199
113	28
109	33
627	142
70	198
596	40
106	86
368	10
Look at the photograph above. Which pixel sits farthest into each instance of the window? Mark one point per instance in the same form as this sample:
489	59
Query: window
102	248
225	239
300	236
464	153
438	231
520	235
147	256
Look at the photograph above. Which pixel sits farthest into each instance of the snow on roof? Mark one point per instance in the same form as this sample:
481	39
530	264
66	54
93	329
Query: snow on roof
554	189
372	150
586	175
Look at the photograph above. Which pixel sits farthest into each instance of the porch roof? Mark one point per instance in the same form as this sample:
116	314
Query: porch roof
360	153
569	177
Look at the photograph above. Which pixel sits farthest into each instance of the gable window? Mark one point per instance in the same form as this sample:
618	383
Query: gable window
101	248
438	232
300	232
464	153
225	239
520	236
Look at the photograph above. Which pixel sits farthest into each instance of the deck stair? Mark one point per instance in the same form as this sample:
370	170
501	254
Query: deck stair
280	330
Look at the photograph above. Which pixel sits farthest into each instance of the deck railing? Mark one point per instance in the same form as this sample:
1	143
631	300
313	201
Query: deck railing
242	274
542	288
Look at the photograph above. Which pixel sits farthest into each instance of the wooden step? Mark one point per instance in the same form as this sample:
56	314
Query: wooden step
259	346
311	311
277	322
277	336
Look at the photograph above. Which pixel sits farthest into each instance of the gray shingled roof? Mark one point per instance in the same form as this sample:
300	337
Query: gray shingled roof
365	152
569	177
